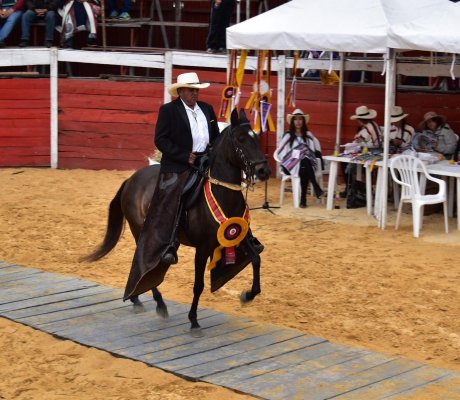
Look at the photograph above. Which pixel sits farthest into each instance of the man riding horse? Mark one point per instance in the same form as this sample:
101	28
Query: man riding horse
185	131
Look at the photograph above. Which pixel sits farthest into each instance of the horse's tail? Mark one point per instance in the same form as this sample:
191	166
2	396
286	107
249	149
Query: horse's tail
115	226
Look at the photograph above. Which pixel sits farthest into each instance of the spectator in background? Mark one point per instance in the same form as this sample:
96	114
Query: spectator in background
368	135
120	14
78	16
368	132
436	135
39	9
10	15
300	154
221	14
401	132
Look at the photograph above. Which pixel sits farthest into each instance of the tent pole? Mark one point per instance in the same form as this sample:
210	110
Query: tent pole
339	105
389	102
281	95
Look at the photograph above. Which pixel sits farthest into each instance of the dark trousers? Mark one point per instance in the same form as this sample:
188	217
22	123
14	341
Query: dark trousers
306	175
219	21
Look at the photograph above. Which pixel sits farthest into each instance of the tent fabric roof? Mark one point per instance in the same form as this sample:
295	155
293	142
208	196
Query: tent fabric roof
438	31
363	26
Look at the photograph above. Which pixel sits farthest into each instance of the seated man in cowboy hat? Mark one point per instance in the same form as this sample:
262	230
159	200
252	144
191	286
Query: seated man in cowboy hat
401	132
368	134
184	130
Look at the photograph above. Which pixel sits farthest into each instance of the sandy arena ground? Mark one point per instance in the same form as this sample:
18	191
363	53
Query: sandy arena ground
330	274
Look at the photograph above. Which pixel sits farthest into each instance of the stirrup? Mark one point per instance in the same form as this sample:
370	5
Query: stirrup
169	256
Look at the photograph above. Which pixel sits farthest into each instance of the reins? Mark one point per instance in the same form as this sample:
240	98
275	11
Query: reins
248	167
231	186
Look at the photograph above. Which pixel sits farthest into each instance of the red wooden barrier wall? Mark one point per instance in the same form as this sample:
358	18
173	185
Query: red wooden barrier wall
110	125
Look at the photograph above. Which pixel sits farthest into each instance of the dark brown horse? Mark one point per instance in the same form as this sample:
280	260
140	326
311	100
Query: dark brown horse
235	151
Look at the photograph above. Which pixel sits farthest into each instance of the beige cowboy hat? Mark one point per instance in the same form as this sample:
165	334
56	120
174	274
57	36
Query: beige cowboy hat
298	112
431	115
189	80
362	112
397	114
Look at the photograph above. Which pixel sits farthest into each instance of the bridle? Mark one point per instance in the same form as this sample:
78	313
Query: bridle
249	166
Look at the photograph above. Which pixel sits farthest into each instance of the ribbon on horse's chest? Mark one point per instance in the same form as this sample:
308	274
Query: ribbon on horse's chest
231	230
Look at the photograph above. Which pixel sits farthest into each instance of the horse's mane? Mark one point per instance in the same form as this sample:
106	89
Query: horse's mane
218	143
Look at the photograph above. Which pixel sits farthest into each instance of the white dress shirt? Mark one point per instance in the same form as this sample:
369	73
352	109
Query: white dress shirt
199	125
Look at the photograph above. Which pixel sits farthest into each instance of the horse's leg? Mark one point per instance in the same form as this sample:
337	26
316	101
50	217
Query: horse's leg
201	255
138	306
161	309
249	295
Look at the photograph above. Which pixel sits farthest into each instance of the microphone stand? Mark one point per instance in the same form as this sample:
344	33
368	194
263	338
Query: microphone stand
266	205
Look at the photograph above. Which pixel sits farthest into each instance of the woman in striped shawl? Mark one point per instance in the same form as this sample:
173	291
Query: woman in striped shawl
298	152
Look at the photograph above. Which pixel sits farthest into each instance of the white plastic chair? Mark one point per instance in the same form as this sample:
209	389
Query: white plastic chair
295	184
405	171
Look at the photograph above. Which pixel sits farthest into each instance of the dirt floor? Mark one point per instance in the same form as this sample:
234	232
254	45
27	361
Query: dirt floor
332	274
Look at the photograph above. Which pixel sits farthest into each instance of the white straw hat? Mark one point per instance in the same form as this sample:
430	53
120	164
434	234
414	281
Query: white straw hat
189	80
362	112
298	112
397	114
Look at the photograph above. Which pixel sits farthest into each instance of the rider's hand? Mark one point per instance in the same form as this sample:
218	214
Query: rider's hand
191	158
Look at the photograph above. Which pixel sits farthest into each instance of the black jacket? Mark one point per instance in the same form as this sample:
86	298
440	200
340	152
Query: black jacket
173	134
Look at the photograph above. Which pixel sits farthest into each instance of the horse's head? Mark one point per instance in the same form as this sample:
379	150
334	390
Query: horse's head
246	147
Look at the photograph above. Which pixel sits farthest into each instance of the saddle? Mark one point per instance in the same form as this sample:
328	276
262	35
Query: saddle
195	182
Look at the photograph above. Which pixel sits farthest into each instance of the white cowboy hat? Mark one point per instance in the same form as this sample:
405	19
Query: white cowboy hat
362	112
298	112
397	114
189	80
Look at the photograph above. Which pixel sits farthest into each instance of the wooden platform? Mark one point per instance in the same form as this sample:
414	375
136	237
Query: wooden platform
267	361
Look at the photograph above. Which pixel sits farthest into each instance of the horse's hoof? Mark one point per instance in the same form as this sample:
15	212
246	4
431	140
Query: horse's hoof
245	297
162	312
138	308
196	332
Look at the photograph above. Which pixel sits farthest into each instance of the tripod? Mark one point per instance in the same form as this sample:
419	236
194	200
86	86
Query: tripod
266	205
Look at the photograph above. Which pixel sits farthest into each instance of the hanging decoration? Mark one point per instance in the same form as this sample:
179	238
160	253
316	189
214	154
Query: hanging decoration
239	77
261	91
290	100
229	91
232	91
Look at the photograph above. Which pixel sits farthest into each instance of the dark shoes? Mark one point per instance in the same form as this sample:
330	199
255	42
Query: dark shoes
169	256
91	42
320	194
210	51
24	43
68	44
48	43
303	204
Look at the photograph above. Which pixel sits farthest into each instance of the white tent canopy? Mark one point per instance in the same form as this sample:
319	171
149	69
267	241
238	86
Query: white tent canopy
438	31
362	26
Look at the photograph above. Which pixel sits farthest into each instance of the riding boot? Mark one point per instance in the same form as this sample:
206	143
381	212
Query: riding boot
169	256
